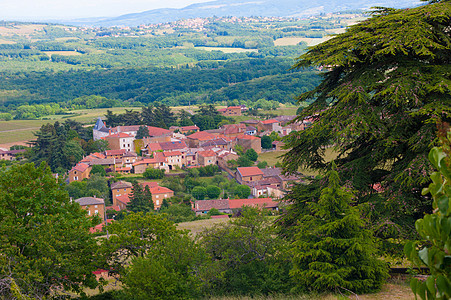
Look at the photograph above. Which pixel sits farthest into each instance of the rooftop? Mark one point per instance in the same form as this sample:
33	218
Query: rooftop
249	171
121	185
202	205
201	136
90	201
259	202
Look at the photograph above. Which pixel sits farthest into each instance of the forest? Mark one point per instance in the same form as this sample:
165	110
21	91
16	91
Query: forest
222	60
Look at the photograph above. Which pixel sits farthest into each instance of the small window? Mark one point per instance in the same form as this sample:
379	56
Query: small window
95	206
158	202
96	212
156	196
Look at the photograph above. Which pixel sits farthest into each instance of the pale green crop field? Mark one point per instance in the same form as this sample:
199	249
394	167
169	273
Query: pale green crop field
227	49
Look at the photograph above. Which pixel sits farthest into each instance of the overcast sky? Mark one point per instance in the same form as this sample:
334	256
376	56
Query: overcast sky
67	9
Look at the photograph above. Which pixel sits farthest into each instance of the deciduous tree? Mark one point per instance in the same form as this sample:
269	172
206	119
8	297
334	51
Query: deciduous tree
45	244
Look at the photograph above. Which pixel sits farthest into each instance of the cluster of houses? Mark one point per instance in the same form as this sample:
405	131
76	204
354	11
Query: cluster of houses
188	147
10	154
177	147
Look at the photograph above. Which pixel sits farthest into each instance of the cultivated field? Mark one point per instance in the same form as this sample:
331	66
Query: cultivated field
65	53
227	50
23	30
289	41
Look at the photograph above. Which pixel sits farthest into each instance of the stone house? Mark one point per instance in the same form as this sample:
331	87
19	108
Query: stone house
120	188
94	206
249	142
79	172
248	174
206	158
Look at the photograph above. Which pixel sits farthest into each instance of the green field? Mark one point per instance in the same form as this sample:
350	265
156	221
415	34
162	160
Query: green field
22	130
272	157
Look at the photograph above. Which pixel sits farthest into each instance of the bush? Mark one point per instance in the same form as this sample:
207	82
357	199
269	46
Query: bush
153	173
199	192
243	161
179	213
251	154
262	165
213	191
242	191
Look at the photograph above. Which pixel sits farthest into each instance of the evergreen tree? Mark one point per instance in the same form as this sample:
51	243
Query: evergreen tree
251	154
333	250
143	131
140	199
386	80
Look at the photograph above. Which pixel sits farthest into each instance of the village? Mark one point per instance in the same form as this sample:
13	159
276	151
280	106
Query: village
182	148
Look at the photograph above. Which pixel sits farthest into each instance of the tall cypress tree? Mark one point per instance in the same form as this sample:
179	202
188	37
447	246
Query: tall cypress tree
332	249
140	199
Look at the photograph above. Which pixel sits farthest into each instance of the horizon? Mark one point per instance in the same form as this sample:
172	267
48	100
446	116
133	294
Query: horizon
49	10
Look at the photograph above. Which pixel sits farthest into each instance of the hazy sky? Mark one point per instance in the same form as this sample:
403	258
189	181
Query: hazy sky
66	9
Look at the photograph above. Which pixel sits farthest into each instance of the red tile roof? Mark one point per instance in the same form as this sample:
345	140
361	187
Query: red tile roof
146	161
249	171
113	207
222	109
150	184
171	153
156	131
160	190
125	199
207	153
159	157
234	107
247	137
176	145
201	136
270	121
189	128
123	169
154	147
115	152
260	202
118	135
81	167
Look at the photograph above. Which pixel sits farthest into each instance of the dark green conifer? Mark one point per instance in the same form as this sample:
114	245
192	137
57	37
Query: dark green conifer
333	250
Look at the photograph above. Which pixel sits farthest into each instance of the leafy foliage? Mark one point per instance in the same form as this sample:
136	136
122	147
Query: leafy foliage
332	248
45	244
435	229
250	256
266	142
151	173
242	191
134	236
251	154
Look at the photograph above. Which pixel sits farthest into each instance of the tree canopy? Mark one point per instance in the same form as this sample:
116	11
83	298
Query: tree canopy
386	83
45	244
